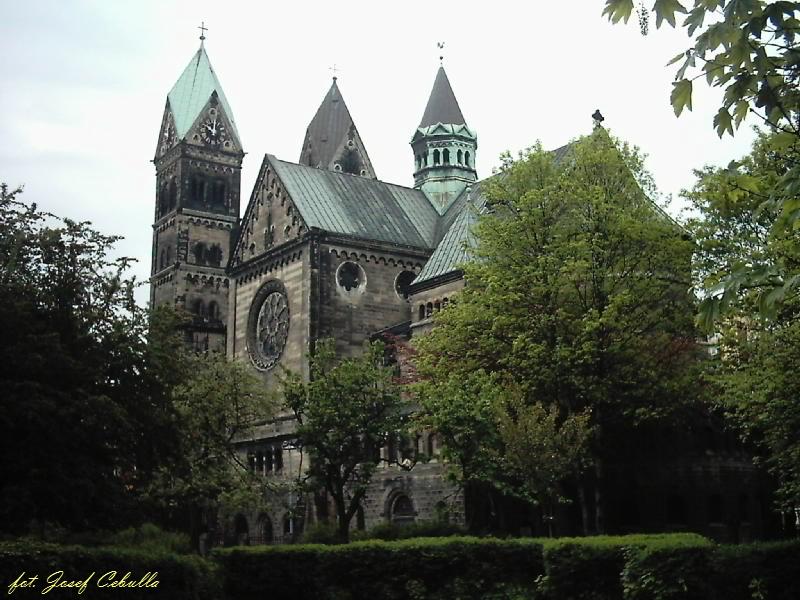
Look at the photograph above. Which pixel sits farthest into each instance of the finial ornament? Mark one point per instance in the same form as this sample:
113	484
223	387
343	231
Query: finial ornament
334	70
203	30
440	45
598	118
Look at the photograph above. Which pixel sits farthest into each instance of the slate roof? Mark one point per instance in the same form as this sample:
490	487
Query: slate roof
442	105
191	93
365	208
327	129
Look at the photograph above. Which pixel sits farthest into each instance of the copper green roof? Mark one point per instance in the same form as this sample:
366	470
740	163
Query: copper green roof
356	206
191	92
442	104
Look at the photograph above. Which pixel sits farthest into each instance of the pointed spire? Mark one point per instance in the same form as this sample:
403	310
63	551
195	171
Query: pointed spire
442	105
332	140
191	93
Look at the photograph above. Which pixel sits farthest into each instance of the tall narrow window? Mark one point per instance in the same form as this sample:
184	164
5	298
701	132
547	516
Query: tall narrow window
436	157
466	158
446	156
173	194
460	157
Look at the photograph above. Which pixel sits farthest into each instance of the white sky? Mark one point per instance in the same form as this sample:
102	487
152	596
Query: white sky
83	87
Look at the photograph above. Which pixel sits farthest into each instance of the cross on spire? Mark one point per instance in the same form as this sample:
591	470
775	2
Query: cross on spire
203	30
334	70
440	45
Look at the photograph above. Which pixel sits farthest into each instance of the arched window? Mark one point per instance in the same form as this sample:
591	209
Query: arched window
437	306
436	157
218	197
260	462
163	261
402	511
446	156
213	310
278	465
460	157
466	158
214	255
432	444
169	254
163	200
199	252
445	302
199	308
242	531
429	309
264	529
173	193
421	312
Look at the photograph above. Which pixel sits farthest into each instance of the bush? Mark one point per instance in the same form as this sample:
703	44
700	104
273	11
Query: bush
390	531
762	571
456	567
590	568
179	577
152	537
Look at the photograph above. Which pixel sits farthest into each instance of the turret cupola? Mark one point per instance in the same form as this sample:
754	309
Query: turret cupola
444	147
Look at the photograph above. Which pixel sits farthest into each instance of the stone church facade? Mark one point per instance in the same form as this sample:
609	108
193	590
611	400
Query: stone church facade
323	249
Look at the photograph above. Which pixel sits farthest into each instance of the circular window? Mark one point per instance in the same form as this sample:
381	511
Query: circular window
268	325
350	276
403	282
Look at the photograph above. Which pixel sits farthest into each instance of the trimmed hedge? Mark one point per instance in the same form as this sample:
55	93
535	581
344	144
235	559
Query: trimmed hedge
589	568
457	567
179	577
638	567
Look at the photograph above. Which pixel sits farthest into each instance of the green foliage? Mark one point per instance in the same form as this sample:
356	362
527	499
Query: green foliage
420	529
347	411
216	402
750	50
179	577
578	295
152	538
416	568
84	418
735	239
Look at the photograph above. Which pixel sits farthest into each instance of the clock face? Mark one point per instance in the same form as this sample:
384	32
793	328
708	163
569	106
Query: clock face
212	130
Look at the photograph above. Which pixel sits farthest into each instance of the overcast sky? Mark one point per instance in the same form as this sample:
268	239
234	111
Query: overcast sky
83	87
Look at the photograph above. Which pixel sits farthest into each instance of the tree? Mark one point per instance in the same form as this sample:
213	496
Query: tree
754	378
82	421
346	413
577	292
217	403
542	449
750	49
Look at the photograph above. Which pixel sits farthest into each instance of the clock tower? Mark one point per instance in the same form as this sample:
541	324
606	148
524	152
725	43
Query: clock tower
198	168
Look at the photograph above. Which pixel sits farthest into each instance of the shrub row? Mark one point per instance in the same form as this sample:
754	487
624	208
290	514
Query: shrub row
637	567
179	577
455	567
661	567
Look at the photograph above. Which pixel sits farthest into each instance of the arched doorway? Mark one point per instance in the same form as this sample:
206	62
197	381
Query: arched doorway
242	530
264	530
402	510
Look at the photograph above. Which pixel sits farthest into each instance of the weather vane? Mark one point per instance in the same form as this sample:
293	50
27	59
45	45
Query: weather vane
203	30
440	45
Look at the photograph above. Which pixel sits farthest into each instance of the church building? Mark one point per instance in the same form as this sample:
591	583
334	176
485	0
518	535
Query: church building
323	249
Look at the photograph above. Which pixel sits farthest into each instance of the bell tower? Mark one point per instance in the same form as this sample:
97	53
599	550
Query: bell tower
444	147
198	170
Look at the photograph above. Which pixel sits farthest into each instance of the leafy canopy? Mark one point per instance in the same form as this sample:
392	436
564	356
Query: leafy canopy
346	413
